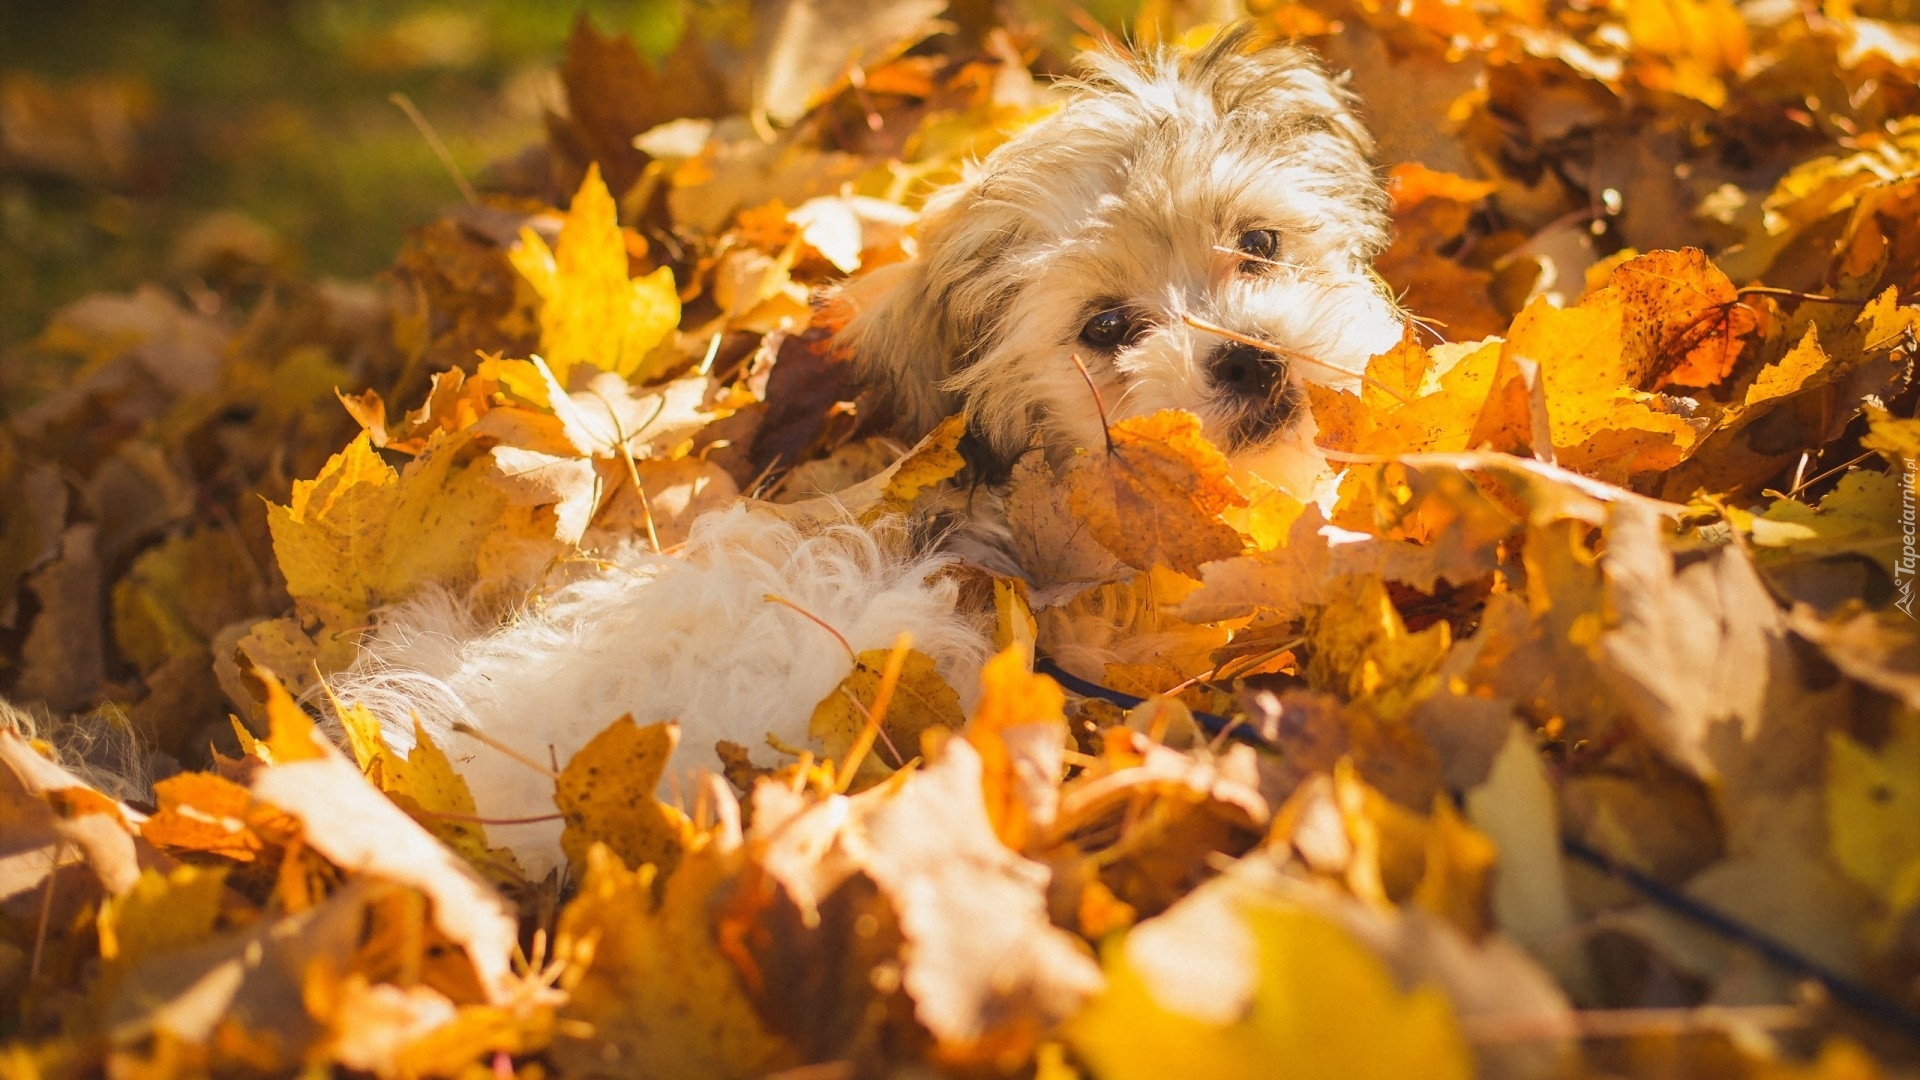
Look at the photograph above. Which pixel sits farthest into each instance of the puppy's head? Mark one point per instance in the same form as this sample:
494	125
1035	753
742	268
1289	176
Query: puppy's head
1231	186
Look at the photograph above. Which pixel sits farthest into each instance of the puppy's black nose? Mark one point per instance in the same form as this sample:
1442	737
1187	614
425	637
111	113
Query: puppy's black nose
1245	371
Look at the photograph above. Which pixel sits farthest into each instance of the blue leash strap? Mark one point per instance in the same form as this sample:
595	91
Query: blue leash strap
1210	723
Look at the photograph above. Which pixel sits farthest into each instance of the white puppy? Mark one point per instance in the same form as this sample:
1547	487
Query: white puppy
1229	187
1232	187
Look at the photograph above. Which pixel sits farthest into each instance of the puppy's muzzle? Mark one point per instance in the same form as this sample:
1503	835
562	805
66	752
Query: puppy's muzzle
1253	388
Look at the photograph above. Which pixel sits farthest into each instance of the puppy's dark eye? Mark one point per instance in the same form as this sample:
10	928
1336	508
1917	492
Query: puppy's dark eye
1107	329
1258	243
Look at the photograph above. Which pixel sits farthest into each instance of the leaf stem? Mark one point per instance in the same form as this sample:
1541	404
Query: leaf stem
439	148
1795	294
823	624
882	697
46	909
1099	405
497	746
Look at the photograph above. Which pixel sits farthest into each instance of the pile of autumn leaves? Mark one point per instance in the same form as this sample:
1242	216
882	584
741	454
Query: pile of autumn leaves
1553	600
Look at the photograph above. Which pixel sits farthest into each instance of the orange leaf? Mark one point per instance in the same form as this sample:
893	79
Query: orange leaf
1018	728
1156	496
1685	325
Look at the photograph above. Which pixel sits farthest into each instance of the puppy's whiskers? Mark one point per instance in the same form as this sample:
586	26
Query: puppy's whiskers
1126	392
1291	354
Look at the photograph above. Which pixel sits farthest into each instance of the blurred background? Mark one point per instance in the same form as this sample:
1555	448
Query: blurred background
140	139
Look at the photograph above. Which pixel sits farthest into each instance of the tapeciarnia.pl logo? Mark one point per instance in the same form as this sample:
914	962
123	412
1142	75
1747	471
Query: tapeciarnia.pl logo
1904	567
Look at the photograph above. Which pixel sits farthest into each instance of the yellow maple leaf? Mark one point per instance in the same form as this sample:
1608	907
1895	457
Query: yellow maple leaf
1702	42
606	796
590	311
1315	1005
936	459
1361	649
921	701
291	733
1894	438
179	593
1873	799
162	911
1600	423
425	784
1859	517
328	538
360	534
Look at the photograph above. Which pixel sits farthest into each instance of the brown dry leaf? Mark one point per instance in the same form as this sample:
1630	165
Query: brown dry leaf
1515	809
178	594
1817	386
226	994
605	795
895	489
30	535
803	49
457	295
1703	662
614	95
1716	695
1051	543
1132	765
804	393
1804	204
655	985
1430	213
1155	495
678	493
1131	631
63	659
1305	570
418	1031
1362	650
1879	648
354	826
102	830
984	988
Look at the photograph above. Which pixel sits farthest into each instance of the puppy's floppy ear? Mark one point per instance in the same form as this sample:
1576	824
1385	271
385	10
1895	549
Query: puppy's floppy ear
911	326
899	341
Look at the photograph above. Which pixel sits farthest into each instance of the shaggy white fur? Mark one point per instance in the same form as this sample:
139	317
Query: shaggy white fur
690	637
